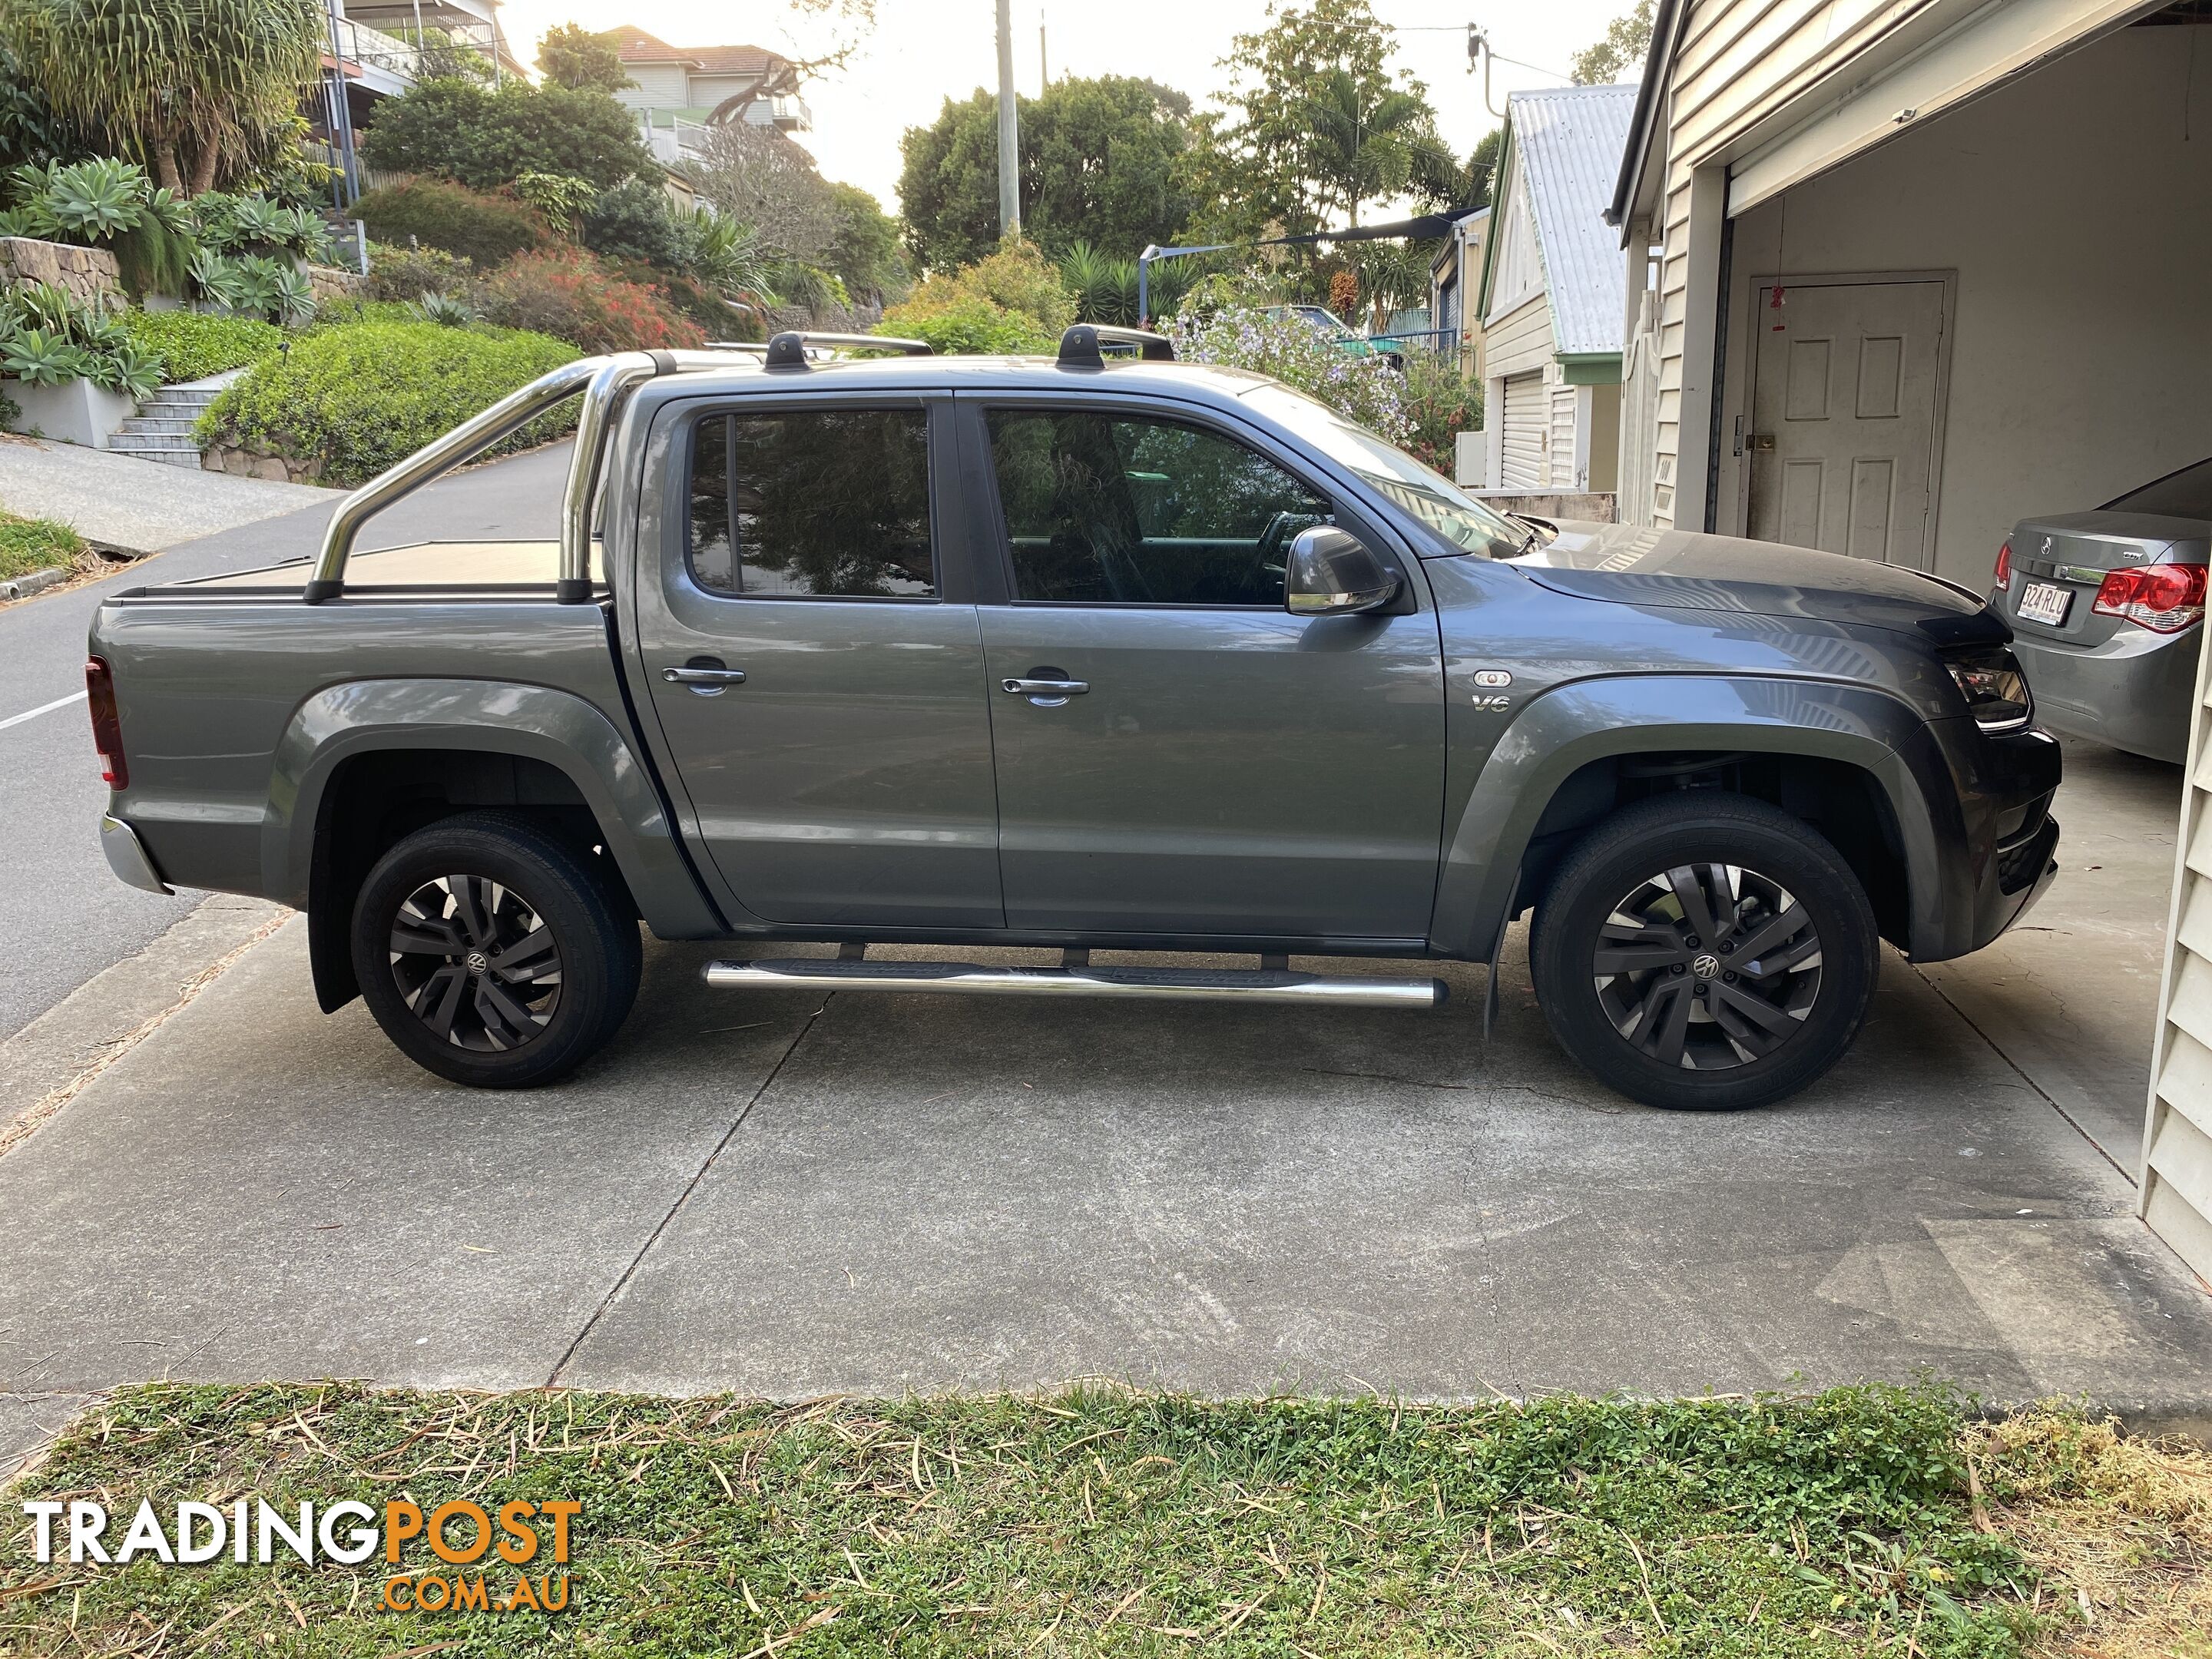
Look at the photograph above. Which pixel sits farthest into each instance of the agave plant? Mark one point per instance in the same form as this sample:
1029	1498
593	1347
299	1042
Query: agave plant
291	295
258	219
37	357
218	277
98	198
306	234
444	310
169	210
129	368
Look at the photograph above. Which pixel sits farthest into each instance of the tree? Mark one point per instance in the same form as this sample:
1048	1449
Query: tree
864	249
582	61
1313	126
190	87
1626	42
760	178
1097	164
487	139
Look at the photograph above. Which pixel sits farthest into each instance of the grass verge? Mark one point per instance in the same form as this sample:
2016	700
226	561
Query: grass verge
29	544
1861	1521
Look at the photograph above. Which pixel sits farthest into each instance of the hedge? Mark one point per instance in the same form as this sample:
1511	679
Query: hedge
192	345
357	399
441	213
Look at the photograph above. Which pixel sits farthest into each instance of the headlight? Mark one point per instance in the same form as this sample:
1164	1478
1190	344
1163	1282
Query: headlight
1996	689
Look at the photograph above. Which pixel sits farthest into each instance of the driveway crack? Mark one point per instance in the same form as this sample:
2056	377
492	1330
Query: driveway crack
614	1292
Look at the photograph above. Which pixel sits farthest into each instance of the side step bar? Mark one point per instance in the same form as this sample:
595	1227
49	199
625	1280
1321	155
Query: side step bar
1181	984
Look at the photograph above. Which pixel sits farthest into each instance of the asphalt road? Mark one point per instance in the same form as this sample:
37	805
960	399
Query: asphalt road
63	917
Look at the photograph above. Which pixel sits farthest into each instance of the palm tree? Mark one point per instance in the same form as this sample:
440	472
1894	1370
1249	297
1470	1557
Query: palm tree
1368	141
188	86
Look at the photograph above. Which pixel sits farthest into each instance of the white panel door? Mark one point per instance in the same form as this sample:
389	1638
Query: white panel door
1842	423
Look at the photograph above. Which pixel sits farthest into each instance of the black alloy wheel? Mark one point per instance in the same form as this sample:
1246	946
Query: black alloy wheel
474	963
494	952
1708	967
1703	950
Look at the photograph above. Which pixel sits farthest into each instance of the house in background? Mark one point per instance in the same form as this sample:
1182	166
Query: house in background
677	90
1550	296
1458	261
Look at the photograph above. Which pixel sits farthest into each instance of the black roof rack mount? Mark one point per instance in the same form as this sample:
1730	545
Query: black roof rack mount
1084	345
788	350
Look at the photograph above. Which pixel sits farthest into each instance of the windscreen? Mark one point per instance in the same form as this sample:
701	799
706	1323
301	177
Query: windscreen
1430	499
2184	494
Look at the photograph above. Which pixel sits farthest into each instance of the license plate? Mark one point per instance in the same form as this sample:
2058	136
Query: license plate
2046	603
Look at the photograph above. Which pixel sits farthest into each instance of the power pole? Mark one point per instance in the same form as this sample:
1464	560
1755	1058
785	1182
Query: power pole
1010	161
1044	63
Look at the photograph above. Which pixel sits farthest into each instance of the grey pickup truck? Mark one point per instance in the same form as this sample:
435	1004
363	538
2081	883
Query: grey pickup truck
1098	654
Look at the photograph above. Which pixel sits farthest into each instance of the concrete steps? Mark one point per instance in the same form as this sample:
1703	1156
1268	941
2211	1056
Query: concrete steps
162	428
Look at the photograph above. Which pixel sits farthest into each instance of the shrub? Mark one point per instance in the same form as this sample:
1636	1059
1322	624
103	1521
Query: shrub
969	326
1440	406
192	346
408	273
1364	389
442	214
1012	302
486	139
357	399
566	292
633	222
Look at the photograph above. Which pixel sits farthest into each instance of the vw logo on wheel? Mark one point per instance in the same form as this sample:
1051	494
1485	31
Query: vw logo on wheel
1706	965
477	963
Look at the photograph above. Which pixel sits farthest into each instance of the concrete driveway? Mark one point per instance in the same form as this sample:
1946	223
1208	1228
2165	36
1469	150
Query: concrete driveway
787	1195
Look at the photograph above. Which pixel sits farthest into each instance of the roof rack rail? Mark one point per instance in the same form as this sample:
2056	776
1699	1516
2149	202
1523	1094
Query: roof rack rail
1084	345
788	350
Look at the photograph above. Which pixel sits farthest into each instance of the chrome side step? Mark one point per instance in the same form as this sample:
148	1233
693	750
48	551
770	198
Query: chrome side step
969	979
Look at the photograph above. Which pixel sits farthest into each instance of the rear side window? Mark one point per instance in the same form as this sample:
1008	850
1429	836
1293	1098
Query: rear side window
1105	508
804	503
2184	494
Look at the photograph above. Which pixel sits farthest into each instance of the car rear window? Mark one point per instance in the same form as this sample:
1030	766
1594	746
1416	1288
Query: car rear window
808	503
2184	494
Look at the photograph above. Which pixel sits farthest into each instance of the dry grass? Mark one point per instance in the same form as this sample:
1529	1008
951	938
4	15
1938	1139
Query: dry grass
2122	1525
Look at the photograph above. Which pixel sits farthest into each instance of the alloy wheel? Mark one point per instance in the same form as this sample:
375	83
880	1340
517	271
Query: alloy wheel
475	963
1707	967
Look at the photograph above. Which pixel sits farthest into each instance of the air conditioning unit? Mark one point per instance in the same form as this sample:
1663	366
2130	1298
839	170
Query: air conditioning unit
1470	458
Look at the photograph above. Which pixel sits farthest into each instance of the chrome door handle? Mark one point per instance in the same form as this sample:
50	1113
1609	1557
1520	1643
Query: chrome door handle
716	677
1044	693
1045	688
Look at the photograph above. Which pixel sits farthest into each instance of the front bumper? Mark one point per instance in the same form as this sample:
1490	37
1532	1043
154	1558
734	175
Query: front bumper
127	856
2003	859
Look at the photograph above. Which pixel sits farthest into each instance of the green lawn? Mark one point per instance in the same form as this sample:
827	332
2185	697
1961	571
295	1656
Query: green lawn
29	544
1866	1521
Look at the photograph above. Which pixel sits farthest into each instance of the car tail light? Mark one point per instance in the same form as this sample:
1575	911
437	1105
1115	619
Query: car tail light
2163	597
106	724
2004	566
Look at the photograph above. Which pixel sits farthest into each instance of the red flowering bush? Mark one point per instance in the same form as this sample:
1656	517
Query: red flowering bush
567	294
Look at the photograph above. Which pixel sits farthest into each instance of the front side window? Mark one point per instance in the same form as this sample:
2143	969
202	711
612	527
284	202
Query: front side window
1107	508
828	502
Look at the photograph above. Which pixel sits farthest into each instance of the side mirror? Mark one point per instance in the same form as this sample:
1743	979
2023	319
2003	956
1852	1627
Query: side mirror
1331	572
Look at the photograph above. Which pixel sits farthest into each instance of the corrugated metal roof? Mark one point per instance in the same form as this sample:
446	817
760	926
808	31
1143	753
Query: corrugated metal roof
1570	140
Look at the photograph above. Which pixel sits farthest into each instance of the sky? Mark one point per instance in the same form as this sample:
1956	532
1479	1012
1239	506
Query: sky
922	51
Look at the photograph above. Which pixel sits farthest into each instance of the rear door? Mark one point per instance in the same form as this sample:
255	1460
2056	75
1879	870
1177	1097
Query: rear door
1212	764
818	683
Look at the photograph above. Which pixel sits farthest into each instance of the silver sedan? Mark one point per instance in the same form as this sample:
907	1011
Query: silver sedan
2108	609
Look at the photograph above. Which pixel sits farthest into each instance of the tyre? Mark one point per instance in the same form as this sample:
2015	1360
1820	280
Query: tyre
491	953
1704	951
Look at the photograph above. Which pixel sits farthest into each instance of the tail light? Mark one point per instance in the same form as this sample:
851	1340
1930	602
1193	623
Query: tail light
2163	597
106	724
2004	566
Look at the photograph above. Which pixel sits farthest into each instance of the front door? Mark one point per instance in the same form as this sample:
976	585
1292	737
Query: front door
1206	762
1841	426
823	702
